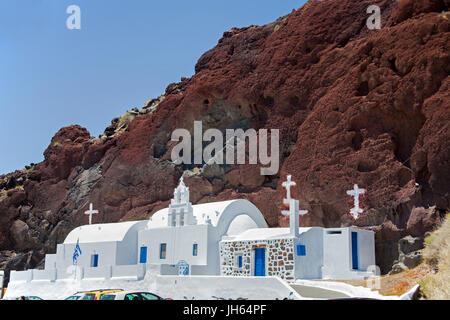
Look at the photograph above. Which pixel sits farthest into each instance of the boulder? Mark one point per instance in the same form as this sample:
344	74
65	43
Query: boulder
23	236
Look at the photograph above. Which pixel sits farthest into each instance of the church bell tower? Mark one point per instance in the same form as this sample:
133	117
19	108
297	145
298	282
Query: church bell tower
180	209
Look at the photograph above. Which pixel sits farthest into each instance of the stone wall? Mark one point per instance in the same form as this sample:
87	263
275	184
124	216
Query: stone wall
279	257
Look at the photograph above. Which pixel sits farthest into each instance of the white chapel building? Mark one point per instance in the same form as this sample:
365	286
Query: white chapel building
228	238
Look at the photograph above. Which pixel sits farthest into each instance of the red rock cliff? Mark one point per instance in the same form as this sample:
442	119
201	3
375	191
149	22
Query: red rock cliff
353	106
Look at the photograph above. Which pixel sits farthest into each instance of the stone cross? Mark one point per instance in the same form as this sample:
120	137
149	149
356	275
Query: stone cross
294	214
293	211
355	192
287	184
90	212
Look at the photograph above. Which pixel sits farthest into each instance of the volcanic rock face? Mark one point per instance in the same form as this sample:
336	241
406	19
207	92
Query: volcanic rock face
353	105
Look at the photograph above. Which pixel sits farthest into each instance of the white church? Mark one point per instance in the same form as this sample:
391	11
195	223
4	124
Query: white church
228	238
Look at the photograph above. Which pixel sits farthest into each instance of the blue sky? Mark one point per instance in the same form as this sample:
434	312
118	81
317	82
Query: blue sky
125	53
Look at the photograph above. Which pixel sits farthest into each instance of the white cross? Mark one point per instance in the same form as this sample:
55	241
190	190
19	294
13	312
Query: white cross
90	212
294	219
356	210
295	210
287	184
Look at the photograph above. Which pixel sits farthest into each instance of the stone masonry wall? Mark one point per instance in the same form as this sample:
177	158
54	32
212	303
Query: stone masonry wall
279	257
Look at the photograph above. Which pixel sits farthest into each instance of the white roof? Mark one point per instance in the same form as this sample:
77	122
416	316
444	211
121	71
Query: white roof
240	224
103	232
212	209
264	234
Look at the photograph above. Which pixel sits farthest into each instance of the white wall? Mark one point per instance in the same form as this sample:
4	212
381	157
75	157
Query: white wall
20	276
175	287
310	266
131	272
179	244
123	252
48	274
50	261
107	252
99	272
127	249
2	274
338	253
366	248
213	287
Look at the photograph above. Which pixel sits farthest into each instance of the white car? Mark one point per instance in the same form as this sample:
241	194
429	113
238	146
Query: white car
77	296
131	295
24	298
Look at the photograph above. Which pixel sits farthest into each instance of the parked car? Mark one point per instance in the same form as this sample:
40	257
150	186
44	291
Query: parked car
77	295
24	298
96	294
131	295
354	298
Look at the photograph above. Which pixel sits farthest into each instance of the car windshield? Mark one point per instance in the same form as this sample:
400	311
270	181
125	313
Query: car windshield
89	297
33	298
132	296
107	297
148	296
73	298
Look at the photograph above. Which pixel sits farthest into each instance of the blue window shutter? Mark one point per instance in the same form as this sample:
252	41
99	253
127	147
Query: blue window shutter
94	260
240	261
195	249
143	255
162	251
301	250
355	262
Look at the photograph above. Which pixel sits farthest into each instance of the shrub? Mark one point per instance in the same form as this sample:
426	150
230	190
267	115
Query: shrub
437	255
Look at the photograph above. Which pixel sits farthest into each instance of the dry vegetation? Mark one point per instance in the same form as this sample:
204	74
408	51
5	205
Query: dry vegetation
396	284
437	255
4	193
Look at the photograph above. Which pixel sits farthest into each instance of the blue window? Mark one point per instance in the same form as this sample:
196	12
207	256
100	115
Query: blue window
240	261
301	250
143	255
94	260
195	249
162	251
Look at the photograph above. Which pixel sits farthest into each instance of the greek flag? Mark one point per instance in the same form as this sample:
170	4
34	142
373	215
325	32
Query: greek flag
77	252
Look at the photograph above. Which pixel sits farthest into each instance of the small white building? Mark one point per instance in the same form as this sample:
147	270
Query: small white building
228	238
316	253
2	274
107	244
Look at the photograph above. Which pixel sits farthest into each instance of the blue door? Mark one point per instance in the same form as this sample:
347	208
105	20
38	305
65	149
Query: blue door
143	255
260	262
355	264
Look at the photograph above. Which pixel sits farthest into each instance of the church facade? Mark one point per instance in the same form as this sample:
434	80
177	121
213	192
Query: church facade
317	253
228	238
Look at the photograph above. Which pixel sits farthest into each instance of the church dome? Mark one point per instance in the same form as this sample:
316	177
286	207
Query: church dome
220	215
240	224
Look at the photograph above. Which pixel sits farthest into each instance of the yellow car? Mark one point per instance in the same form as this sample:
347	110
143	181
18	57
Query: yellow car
96	294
